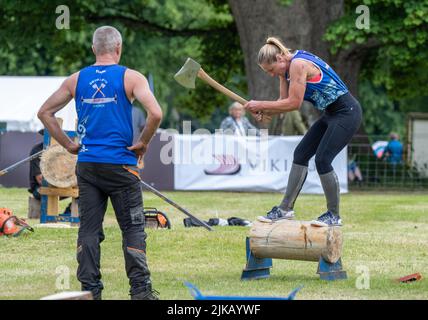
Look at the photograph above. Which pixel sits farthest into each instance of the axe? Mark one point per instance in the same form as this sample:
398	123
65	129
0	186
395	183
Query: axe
191	69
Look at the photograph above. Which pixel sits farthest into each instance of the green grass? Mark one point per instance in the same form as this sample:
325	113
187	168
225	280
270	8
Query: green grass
384	232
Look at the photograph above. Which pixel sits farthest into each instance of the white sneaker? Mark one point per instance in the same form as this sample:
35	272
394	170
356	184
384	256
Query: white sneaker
327	220
276	214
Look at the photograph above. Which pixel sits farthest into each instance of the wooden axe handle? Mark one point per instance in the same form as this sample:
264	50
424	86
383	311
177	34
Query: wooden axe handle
205	77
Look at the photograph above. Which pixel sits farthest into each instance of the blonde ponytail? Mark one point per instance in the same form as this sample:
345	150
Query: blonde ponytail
267	53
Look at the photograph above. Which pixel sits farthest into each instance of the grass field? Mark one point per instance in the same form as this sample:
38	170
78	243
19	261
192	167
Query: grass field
385	233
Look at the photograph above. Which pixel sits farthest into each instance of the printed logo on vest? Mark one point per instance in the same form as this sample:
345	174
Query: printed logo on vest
102	98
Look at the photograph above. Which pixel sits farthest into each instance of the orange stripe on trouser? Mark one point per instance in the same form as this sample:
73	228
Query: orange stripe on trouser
134	249
135	173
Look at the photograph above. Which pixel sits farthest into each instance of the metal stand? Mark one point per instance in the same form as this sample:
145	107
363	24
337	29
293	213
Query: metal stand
256	268
331	271
259	268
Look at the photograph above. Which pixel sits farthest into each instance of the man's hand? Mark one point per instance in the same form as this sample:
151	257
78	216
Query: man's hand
73	148
139	148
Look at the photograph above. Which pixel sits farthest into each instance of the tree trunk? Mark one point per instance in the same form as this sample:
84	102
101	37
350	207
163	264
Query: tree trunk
300	25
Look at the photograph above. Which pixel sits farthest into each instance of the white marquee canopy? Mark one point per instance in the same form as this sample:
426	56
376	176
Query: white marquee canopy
21	98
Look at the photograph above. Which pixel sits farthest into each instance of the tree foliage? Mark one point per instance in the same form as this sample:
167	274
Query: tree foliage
381	115
393	81
398	42
160	34
158	37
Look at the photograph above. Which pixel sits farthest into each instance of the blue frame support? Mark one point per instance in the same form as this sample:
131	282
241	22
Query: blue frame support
331	271
259	268
44	218
256	268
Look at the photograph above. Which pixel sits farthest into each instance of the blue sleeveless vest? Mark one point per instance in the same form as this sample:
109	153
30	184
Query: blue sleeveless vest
104	116
328	88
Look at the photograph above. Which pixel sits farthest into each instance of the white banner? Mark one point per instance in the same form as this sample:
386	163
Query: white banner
224	162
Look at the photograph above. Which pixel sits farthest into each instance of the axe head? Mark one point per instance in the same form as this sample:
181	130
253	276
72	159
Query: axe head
187	74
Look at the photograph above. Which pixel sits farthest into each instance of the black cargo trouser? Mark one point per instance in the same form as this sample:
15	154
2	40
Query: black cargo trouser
97	182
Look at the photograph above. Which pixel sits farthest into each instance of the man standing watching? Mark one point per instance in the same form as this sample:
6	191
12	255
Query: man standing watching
107	159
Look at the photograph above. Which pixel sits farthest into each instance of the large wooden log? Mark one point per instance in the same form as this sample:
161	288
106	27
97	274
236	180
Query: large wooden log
295	240
58	167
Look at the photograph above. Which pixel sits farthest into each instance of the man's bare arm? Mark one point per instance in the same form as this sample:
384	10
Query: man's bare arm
141	91
53	104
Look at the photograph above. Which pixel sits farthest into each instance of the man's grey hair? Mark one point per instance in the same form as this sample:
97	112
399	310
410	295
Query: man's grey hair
106	39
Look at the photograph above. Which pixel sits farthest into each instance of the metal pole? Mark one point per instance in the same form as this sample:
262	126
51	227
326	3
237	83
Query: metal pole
13	166
160	195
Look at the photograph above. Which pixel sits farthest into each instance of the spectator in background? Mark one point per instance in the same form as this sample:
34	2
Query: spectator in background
290	124
354	172
394	150
138	122
237	122
35	173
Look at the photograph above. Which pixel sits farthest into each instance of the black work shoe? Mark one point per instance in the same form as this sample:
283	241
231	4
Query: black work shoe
146	295
97	295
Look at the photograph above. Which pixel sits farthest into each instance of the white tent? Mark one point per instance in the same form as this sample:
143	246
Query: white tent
22	97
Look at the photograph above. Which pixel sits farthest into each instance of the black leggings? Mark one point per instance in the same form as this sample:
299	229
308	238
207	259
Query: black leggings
329	134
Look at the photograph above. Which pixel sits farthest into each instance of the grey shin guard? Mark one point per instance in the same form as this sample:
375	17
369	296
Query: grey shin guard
296	179
330	185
